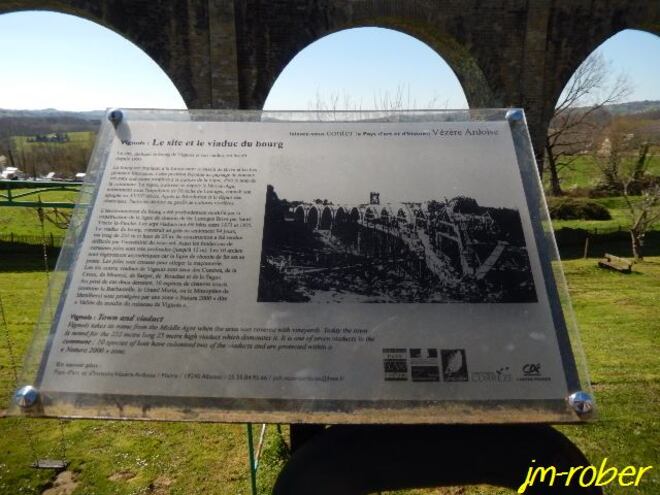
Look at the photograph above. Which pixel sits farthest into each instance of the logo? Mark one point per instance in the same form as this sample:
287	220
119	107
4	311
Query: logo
424	366
500	375
532	369
454	365
395	364
532	373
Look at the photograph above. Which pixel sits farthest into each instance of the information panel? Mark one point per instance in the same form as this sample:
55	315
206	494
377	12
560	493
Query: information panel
308	271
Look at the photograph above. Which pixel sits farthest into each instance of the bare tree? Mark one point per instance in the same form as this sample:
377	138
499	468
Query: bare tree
579	112
400	98
644	211
623	153
624	164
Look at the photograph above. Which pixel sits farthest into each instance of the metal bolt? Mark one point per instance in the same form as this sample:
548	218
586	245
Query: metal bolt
115	116
514	115
26	397
581	402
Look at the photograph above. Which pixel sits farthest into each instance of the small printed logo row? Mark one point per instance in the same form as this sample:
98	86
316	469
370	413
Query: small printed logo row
427	365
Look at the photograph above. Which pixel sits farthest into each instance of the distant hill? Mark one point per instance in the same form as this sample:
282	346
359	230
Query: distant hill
51	113
635	107
50	120
33	122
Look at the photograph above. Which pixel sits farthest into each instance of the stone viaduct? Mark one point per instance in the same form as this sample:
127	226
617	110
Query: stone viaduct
228	53
411	223
324	217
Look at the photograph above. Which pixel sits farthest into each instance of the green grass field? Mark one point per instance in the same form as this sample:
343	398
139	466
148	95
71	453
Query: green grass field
618	315
77	139
618	210
24	222
582	173
64	158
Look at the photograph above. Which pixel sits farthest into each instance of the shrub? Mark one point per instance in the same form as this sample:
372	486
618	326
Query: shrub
577	209
635	188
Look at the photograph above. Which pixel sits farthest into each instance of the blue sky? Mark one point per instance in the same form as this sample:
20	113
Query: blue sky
366	64
58	61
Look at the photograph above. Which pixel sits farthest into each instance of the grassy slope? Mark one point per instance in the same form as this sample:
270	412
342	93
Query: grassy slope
25	221
584	174
618	316
189	458
619	320
131	457
84	139
618	210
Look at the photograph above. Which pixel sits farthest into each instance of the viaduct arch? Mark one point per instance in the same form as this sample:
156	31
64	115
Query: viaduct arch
228	53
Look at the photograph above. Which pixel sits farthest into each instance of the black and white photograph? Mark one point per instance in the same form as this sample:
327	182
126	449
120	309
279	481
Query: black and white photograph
384	251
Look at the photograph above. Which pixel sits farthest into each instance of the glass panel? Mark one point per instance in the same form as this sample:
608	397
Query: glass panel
339	267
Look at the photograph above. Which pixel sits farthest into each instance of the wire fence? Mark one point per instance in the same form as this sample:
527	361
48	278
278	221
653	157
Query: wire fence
563	235
51	239
567	234
571	242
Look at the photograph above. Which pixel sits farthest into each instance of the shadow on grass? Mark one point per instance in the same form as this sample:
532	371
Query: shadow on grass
19	257
571	244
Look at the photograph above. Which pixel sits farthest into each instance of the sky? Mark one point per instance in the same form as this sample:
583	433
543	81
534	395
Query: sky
59	61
